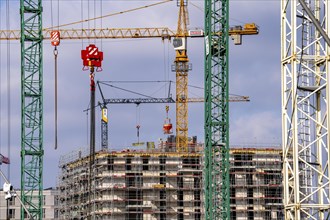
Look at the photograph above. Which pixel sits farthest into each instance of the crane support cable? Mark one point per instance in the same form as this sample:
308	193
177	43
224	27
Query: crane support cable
135	81
109	15
147	81
126	90
232	97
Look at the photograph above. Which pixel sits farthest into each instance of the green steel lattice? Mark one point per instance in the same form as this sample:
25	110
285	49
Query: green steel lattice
31	107
216	175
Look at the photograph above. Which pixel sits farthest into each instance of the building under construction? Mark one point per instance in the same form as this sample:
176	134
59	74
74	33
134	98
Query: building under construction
256	184
160	183
157	183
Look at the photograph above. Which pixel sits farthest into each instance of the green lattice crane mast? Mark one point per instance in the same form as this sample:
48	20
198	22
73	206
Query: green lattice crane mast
32	107
216	165
217	191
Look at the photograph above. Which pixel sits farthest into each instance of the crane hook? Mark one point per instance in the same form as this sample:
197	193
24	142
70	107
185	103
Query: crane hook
167	127
138	132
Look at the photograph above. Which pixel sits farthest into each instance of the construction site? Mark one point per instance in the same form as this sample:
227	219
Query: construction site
198	151
158	183
152	184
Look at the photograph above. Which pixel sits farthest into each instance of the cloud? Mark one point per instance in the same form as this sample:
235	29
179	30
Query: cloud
258	128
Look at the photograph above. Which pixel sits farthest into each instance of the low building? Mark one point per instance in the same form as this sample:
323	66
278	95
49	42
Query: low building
50	205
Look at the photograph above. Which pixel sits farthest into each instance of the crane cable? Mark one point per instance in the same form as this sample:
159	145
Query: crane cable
101	11
8	87
55	76
56	92
0	93
138	122
166	74
109	15
82	23
88	18
55	56
8	100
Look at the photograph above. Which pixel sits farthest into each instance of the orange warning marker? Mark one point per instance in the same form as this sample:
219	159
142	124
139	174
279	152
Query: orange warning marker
55	38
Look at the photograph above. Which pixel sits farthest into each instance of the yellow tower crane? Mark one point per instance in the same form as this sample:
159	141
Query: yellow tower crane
181	64
181	67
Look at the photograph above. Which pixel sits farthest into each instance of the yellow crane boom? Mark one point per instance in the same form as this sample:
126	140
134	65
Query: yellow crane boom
122	33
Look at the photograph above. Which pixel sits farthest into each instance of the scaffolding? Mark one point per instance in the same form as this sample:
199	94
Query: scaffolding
256	184
160	183
157	183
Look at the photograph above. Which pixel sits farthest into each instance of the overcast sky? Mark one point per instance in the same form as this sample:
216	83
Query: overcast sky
254	69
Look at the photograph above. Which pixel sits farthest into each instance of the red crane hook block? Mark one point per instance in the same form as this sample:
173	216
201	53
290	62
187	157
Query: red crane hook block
92	57
55	38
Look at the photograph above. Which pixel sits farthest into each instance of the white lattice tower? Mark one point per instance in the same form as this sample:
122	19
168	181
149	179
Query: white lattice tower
305	108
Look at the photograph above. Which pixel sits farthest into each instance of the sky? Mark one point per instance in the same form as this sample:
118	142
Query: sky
254	71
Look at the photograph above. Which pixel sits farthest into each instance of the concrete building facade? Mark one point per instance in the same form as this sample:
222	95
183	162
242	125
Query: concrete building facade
13	211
